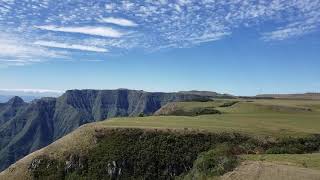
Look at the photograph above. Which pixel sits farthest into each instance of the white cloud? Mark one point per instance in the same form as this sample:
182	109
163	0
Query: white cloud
14	51
152	24
70	46
118	21
88	30
302	17
287	32
209	37
33	90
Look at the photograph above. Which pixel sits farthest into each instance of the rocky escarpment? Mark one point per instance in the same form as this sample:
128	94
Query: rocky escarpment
78	107
26	127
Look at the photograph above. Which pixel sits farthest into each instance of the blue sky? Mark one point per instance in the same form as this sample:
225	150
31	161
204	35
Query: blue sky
241	47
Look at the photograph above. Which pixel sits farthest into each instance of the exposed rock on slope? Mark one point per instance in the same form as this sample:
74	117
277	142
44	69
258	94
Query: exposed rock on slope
25	128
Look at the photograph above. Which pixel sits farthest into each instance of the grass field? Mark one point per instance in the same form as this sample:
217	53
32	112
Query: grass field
272	118
277	166
262	170
311	161
259	117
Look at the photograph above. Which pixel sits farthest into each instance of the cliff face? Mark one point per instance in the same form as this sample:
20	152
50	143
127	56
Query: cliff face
27	131
78	107
25	127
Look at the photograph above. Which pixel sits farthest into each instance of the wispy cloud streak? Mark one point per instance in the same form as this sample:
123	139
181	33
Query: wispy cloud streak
118	21
15	51
70	46
88	30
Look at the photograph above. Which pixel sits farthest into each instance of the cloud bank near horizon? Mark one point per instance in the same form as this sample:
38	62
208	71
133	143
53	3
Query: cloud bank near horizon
38	30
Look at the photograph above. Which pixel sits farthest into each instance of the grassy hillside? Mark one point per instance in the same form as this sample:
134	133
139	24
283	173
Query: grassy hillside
277	166
310	96
311	161
260	170
26	127
189	146
259	117
96	151
190	108
93	148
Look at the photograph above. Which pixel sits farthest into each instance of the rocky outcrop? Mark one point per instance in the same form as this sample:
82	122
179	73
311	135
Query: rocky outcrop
26	127
113	170
75	163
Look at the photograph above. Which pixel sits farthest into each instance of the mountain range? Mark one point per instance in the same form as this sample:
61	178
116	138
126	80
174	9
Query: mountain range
26	127
6	98
27	95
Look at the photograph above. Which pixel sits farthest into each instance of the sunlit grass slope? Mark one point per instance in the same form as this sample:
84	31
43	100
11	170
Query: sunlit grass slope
258	117
311	161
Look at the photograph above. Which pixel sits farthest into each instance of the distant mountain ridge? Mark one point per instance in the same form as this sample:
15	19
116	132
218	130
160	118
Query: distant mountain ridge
208	94
310	96
26	127
6	98
27	95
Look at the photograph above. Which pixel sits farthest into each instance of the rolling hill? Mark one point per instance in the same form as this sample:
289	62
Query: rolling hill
282	132
26	127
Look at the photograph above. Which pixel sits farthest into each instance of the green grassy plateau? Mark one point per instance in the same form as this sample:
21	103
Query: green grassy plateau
259	117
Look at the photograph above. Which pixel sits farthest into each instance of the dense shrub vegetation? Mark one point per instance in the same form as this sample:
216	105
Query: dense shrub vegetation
197	111
215	162
194	112
44	167
228	104
295	145
151	154
205	111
